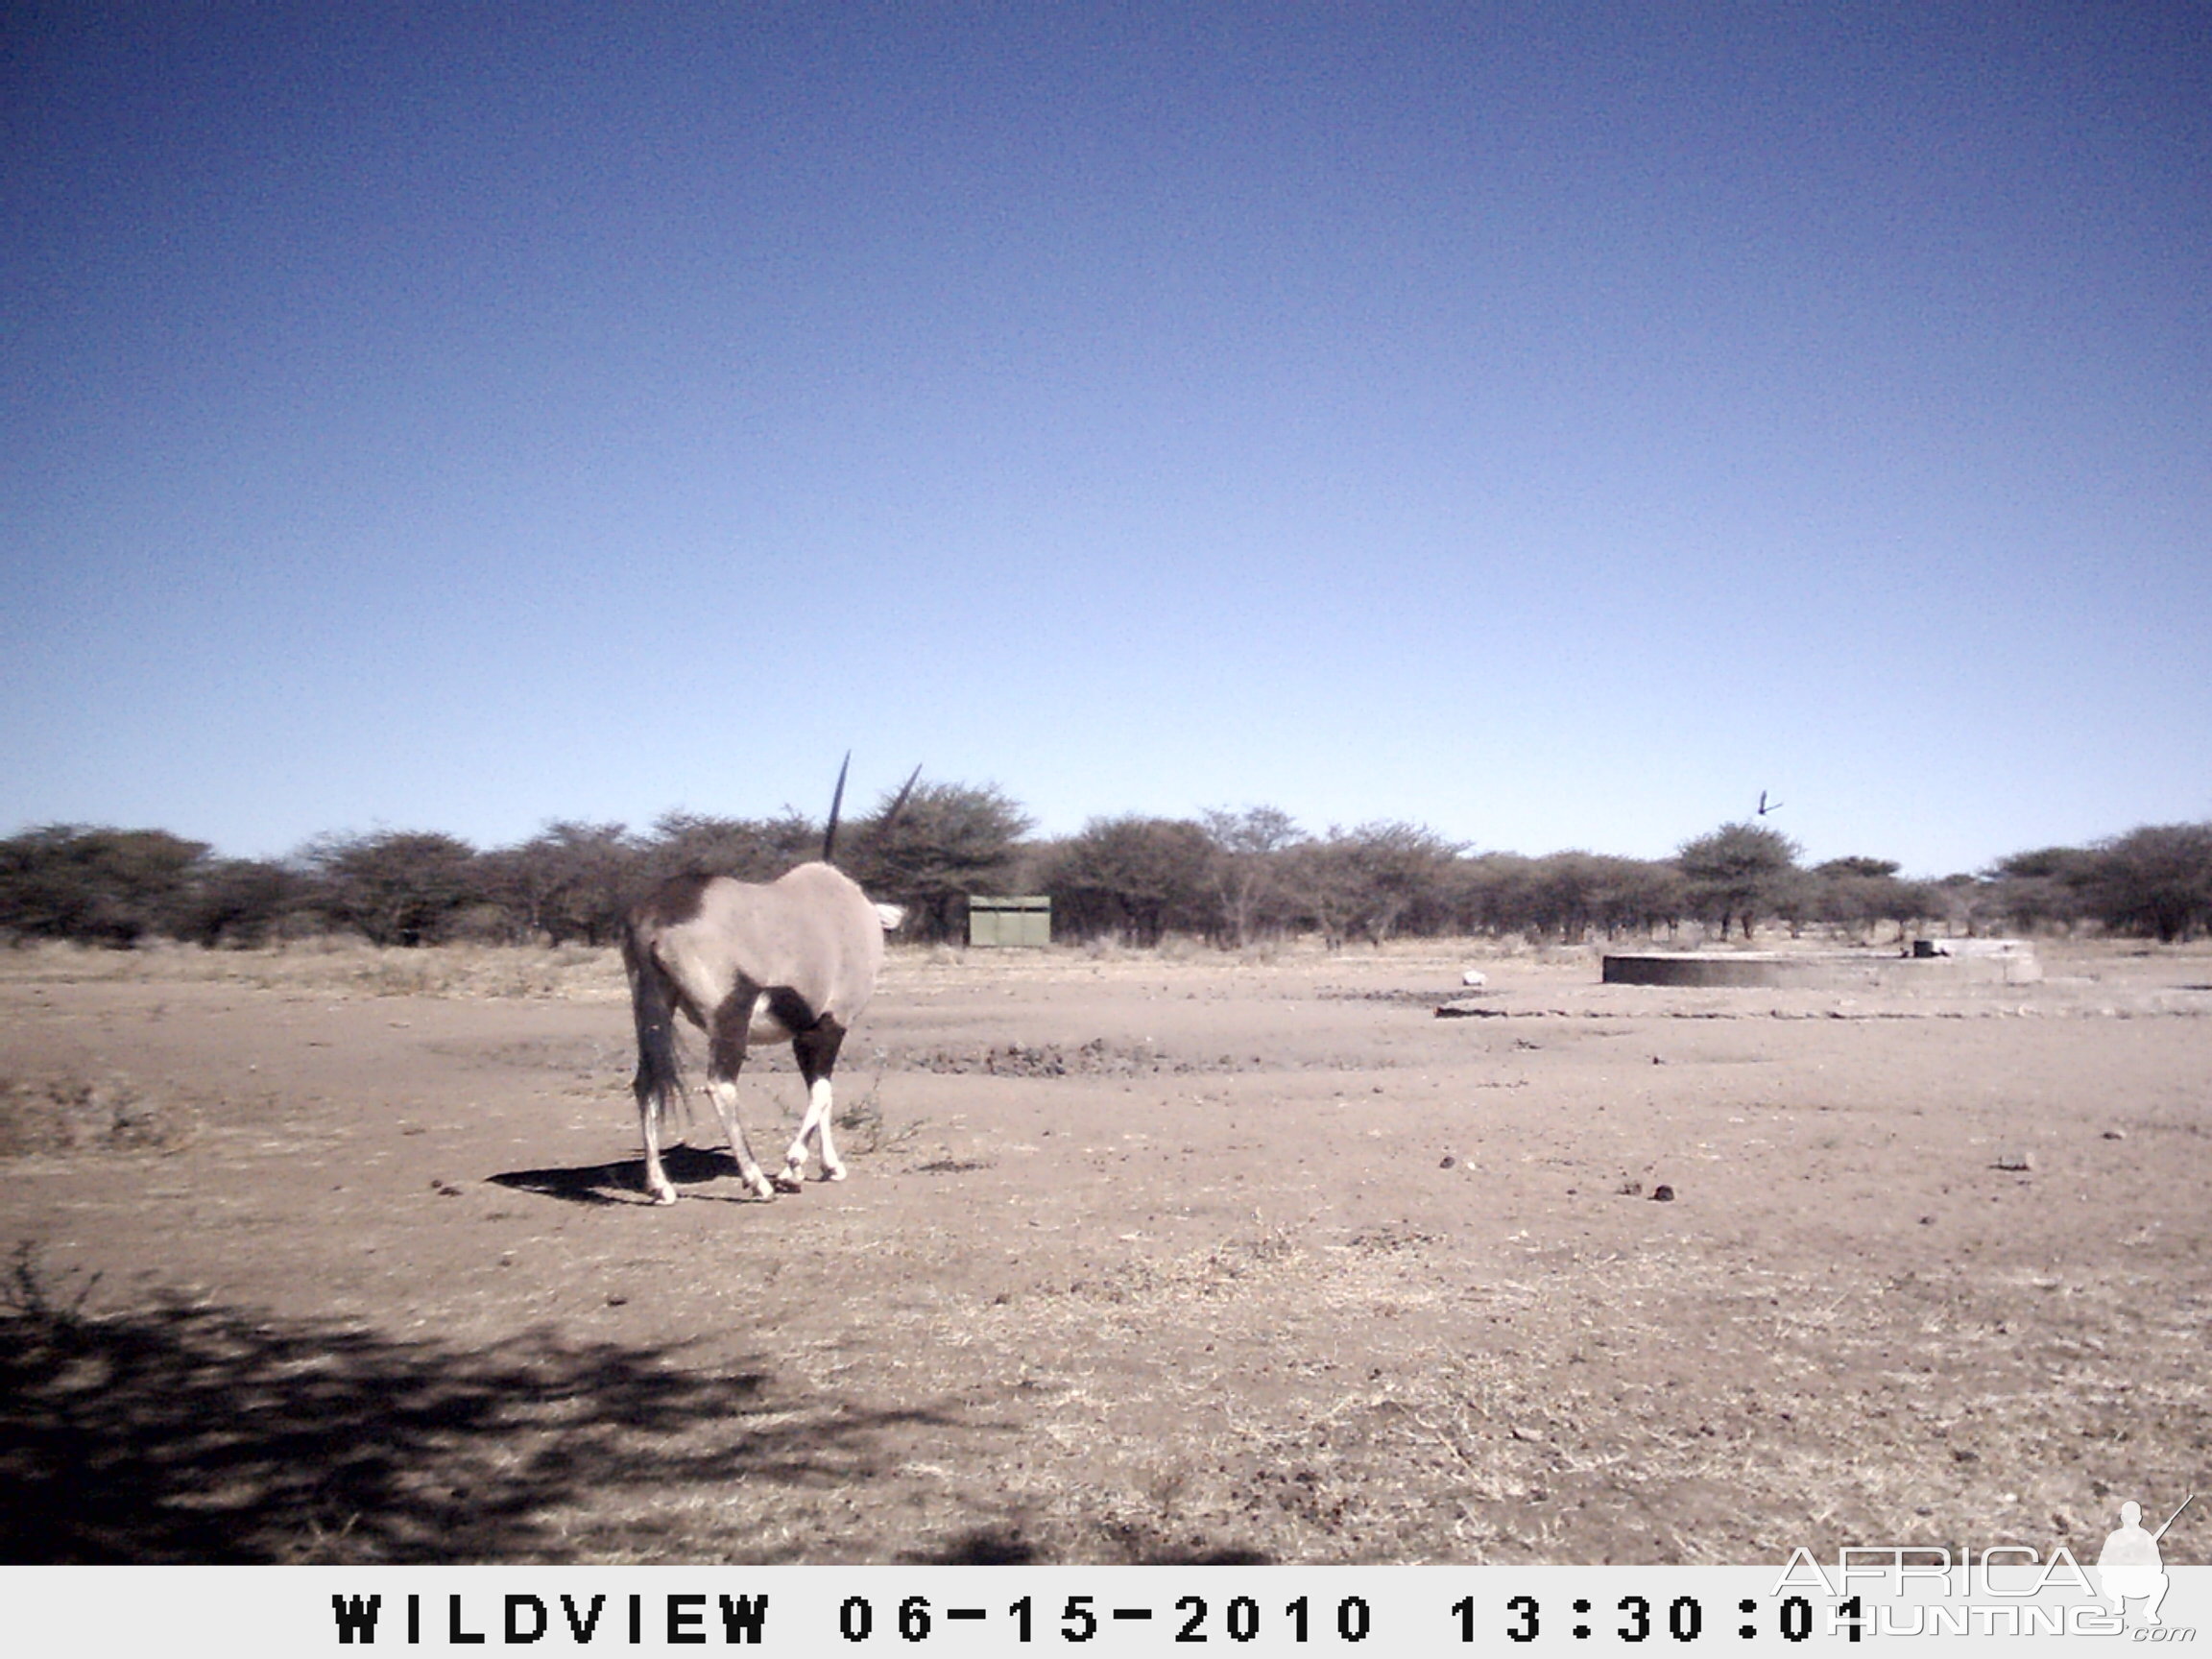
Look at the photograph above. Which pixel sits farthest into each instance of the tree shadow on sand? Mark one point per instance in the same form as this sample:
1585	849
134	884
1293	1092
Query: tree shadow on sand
1009	1545
195	1433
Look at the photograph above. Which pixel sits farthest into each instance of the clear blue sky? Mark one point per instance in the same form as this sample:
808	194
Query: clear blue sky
1555	423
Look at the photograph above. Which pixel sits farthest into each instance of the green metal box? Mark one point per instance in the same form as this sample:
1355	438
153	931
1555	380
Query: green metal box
995	919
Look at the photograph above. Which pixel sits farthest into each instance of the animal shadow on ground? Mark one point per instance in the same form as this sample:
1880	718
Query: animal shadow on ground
622	1182
207	1434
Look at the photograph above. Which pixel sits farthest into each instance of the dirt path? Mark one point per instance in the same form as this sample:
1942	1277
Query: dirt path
1142	1259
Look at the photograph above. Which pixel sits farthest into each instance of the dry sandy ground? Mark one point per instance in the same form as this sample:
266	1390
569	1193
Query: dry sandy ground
342	1257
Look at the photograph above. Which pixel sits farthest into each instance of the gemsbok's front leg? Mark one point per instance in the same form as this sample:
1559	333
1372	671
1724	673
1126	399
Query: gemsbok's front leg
816	1049
726	1058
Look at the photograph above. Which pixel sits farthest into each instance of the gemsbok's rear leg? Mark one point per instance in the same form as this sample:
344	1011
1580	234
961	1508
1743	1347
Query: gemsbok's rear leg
654	1004
816	1049
732	1025
656	1182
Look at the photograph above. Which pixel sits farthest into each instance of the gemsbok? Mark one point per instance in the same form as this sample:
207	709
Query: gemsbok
793	961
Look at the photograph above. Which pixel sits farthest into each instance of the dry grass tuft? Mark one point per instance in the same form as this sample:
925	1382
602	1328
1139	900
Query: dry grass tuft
860	1125
73	1114
339	967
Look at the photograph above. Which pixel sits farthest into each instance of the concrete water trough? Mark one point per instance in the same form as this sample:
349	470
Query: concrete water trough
1933	962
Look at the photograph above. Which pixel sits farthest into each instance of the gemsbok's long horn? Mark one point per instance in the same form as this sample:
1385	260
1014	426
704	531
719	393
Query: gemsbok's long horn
891	816
837	801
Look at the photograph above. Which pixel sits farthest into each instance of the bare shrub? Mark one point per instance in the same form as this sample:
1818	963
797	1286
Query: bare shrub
861	1125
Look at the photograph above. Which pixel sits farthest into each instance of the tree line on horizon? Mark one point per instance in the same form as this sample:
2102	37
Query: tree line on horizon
1231	878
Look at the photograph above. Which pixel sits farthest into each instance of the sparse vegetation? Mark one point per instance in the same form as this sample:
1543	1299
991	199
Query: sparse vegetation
1235	879
72	1114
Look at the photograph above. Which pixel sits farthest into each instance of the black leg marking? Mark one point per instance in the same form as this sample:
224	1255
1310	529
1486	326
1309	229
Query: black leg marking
816	1047
726	1031
788	1009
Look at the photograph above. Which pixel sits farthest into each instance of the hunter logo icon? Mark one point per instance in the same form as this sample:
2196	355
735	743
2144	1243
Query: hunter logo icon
2129	1566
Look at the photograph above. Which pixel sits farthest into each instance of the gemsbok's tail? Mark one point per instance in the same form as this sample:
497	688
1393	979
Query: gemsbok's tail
659	1081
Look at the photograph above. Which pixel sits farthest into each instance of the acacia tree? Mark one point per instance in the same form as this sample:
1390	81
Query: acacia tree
570	881
1372	881
238	901
946	841
1565	894
1738	873
1492	893
100	885
1571	893
1247	872
2042	888
2157	879
1859	893
1406	870
395	887
1963	899
1639	894
1327	886
1136	876
751	849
